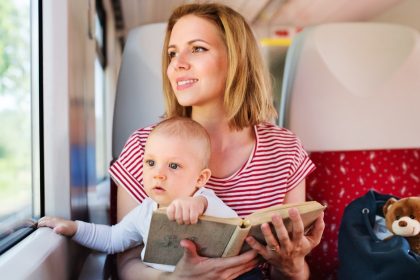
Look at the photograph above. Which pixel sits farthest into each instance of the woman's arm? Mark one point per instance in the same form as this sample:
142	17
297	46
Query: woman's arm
287	257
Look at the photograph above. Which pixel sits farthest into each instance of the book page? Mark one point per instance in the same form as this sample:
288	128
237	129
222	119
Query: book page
309	211
264	215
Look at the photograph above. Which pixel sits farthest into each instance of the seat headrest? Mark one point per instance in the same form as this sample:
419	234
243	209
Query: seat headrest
139	99
353	86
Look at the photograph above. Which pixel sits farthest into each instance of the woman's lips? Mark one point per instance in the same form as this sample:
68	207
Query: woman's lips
182	84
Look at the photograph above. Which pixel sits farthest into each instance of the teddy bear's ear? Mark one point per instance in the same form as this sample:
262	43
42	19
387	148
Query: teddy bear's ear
388	204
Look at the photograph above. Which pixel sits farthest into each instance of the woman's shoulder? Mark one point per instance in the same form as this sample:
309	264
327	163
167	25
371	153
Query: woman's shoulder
142	133
138	138
266	129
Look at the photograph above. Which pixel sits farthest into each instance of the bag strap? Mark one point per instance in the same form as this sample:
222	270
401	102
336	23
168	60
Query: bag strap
365	215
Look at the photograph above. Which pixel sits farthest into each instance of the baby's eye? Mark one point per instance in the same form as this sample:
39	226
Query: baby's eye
150	162
173	165
198	49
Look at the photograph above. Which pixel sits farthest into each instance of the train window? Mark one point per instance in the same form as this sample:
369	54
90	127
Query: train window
100	100
20	167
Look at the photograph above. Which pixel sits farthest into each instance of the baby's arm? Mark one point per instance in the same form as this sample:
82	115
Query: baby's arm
104	238
59	225
187	210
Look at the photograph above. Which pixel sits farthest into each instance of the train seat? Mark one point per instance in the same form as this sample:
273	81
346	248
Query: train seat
351	92
139	98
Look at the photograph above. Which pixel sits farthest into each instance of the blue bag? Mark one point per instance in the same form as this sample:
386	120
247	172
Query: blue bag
364	256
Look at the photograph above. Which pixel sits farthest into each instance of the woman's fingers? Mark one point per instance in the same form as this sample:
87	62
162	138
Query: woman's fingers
193	266
268	235
190	250
297	224
257	246
315	234
232	267
282	233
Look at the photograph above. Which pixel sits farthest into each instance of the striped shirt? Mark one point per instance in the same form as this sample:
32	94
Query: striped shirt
277	164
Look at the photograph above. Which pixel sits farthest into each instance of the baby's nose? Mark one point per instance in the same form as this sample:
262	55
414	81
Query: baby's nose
159	177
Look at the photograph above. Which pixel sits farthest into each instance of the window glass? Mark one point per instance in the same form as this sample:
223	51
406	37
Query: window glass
19	117
100	94
99	32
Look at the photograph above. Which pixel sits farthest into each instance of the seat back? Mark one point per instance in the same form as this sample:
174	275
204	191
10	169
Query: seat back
139	99
351	92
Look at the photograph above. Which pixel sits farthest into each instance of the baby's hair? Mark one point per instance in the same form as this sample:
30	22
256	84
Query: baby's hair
186	128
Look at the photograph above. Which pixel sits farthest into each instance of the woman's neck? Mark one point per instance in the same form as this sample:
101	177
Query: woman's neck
214	120
226	143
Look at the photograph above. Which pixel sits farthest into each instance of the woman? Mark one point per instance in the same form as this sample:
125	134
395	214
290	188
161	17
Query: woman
213	73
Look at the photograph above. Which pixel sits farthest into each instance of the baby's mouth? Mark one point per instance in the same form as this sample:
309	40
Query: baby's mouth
159	189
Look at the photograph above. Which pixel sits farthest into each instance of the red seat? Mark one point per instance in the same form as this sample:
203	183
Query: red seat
343	176
351	93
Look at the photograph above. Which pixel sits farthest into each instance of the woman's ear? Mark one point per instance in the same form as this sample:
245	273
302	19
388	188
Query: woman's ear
203	177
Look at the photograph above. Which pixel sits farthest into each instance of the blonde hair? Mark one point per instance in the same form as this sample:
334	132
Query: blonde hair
187	129
248	98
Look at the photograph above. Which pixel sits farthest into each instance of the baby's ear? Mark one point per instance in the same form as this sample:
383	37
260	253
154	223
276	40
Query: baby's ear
203	177
388	205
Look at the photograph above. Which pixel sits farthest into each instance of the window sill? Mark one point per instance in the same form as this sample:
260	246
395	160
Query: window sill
41	255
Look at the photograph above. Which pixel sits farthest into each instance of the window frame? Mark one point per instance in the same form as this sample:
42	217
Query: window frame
22	228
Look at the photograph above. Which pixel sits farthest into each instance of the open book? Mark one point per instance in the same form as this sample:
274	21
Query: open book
217	237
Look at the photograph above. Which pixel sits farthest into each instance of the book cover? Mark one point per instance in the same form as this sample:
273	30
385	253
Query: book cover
217	237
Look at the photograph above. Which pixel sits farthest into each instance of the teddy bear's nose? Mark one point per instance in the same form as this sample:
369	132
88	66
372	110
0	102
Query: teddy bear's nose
402	223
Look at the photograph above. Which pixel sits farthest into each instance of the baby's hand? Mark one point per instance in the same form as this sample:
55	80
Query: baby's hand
187	210
61	226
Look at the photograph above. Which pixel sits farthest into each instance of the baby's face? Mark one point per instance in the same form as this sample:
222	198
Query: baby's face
171	167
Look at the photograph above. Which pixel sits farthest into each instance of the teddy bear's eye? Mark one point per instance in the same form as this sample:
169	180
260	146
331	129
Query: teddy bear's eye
397	217
412	217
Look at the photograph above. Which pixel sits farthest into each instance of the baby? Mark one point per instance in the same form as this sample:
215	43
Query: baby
176	157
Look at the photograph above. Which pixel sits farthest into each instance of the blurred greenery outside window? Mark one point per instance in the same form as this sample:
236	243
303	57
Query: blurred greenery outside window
19	115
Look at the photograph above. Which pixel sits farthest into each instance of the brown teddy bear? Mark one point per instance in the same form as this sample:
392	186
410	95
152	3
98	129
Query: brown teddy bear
403	218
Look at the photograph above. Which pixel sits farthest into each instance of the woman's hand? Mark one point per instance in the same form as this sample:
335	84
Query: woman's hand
193	266
190	266
287	256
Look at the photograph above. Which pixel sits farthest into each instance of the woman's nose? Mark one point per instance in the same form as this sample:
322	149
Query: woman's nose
181	61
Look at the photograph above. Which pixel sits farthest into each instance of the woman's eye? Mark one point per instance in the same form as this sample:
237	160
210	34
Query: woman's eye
150	162
199	49
171	54
173	165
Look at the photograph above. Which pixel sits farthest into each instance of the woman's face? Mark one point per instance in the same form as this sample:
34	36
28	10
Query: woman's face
198	67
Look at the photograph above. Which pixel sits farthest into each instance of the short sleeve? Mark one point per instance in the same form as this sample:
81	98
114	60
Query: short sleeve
301	165
127	170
